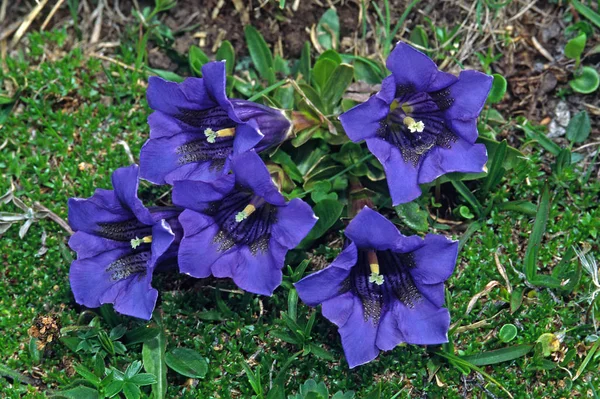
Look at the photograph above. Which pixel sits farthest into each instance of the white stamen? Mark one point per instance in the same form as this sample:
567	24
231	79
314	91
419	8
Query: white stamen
376	278
416	127
210	134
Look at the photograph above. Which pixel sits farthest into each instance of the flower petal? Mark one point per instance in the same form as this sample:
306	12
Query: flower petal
424	324
325	284
469	93
358	337
197	251
294	222
364	120
402	176
388	333
416	70
89	245
247	136
171	97
370	230
102	207
197	195
435	261
137	298
339	308
125	182
215	79
92	286
461	157
159	158
251	172
259	273
162	238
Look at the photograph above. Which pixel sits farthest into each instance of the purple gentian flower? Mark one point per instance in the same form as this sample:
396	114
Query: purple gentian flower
423	122
384	288
119	243
195	128
240	226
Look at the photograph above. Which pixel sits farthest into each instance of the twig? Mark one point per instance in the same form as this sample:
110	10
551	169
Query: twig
97	24
27	22
541	49
54	217
52	12
523	11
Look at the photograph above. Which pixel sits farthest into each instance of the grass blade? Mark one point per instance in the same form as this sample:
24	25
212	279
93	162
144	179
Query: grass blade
587	359
468	196
499	355
153	356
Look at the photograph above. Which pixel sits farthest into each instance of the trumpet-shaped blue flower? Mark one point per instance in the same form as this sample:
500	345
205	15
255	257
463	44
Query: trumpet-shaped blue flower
119	243
422	123
239	226
195	128
384	288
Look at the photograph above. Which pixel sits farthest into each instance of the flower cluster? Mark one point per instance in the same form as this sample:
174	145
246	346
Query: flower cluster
229	218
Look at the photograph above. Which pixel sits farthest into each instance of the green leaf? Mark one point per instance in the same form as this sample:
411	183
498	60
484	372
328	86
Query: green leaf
143	379
413	216
464	191
512	158
516	299
498	355
328	29
79	392
187	362
282	158
328	212
133	369
153	356
496	170
465	212
535	239
522	206
498	89
586	82
261	55
87	374
534	243
587	359
587	12
579	127
197	58
320	352
167	75
321	73
336	85
15	375
305	63
366	70
507	333
226	53
141	334
131	391
106	342
575	46
419	36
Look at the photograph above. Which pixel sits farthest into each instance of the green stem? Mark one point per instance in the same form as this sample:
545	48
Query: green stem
267	90
360	161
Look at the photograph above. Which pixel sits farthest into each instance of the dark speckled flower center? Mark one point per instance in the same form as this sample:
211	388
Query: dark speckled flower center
128	265
201	149
125	230
395	281
244	219
416	124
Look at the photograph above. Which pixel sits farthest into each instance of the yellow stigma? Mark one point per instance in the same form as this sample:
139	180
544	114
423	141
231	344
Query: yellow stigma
136	242
211	135
375	277
394	105
247	211
413	125
373	262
